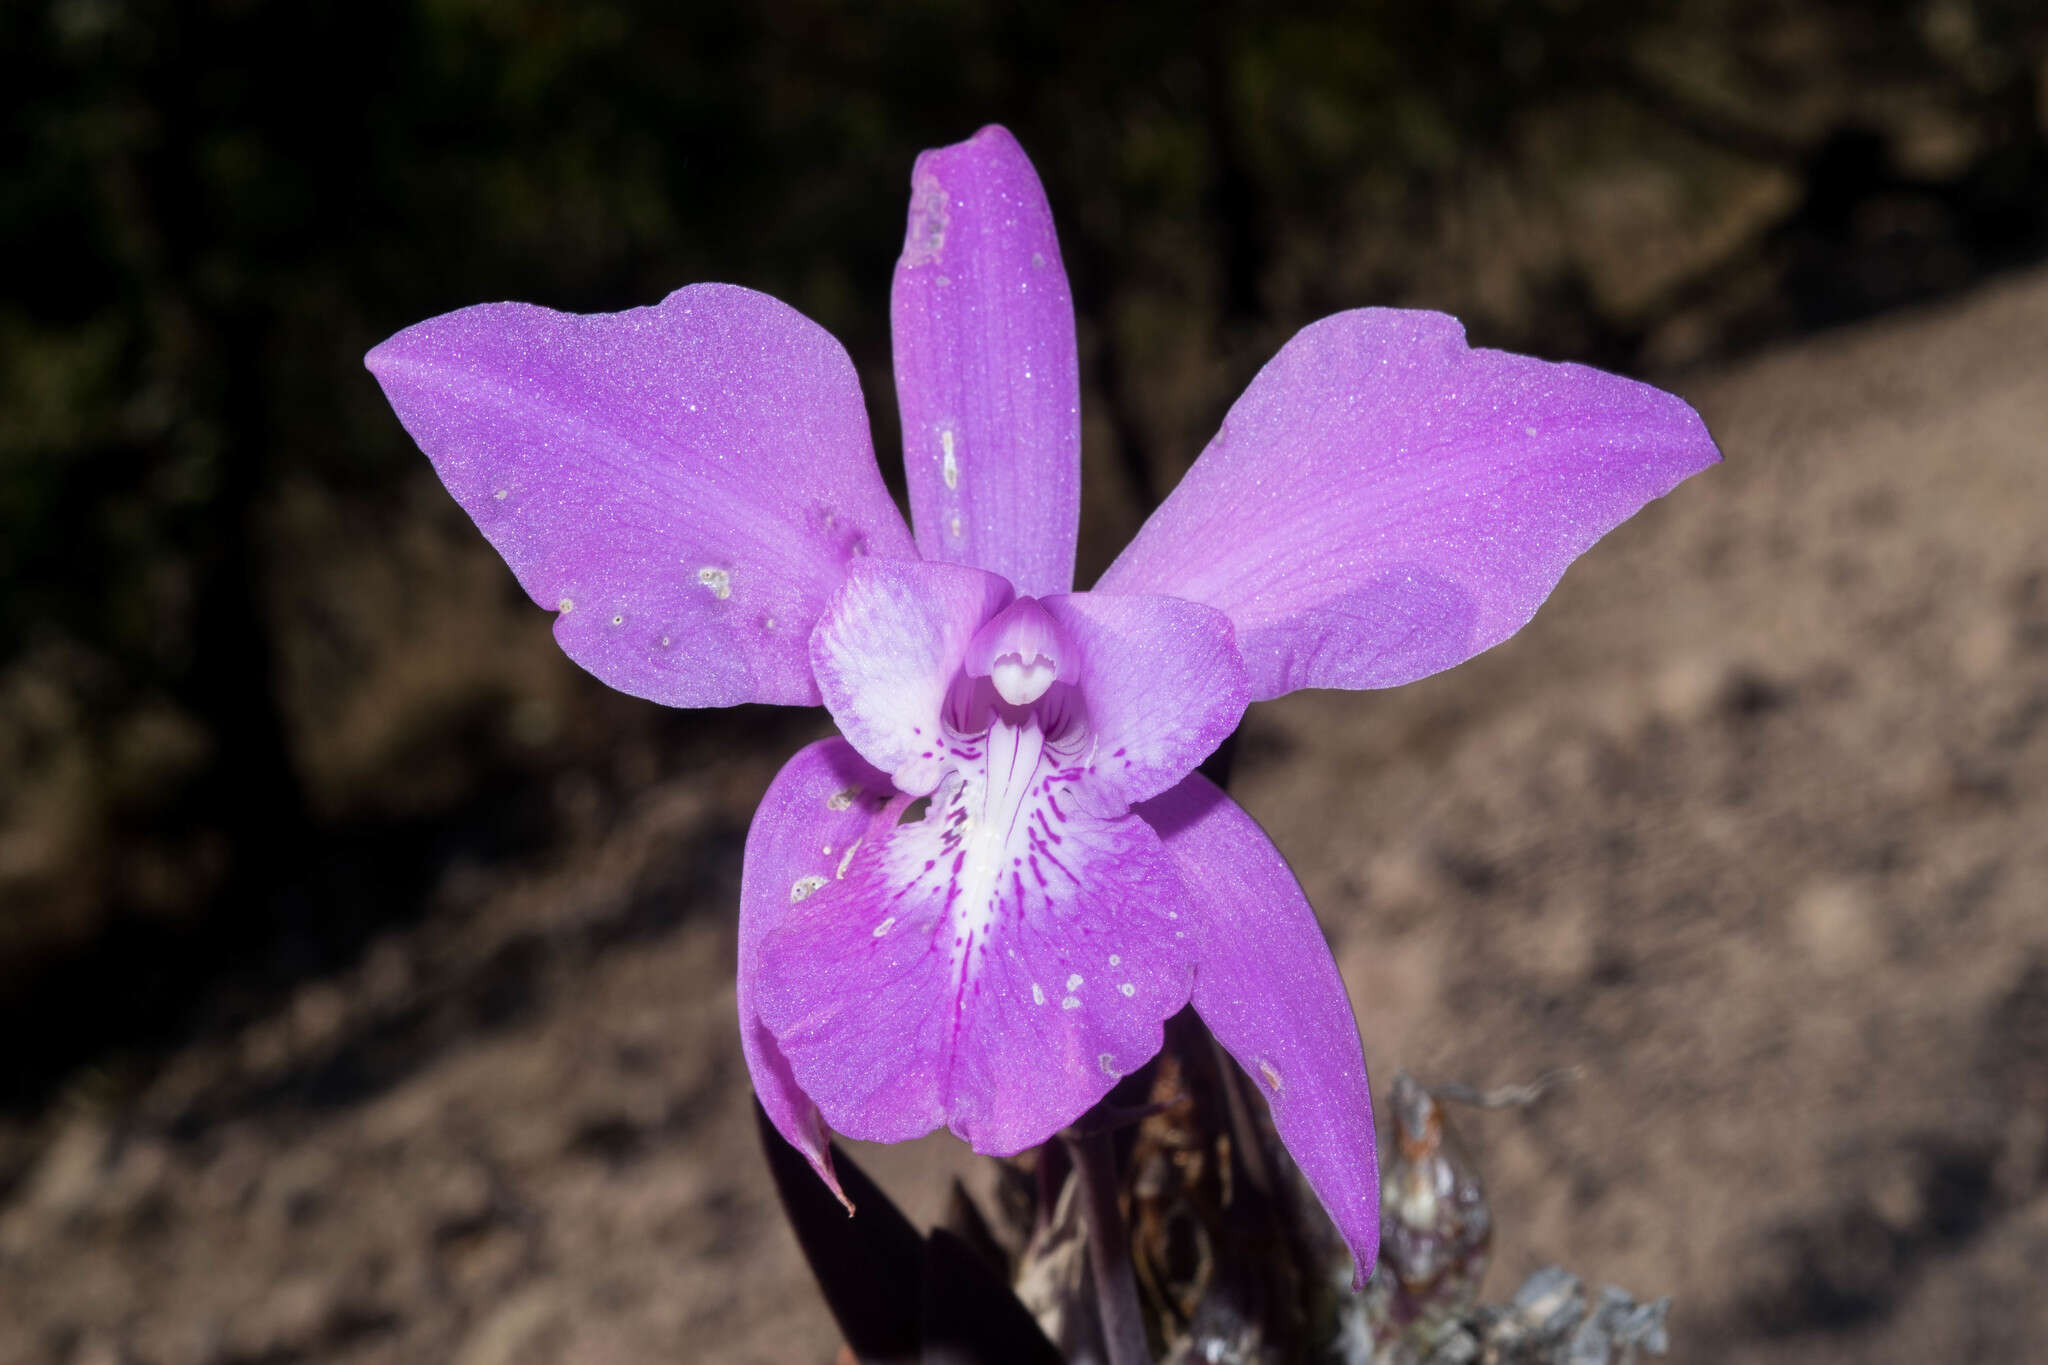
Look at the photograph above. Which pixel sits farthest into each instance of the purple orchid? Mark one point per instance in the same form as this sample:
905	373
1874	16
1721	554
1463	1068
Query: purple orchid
691	487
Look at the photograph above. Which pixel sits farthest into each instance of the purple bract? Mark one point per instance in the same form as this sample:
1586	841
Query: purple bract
692	489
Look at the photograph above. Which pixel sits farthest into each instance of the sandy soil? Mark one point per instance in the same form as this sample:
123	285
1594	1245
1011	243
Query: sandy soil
1748	826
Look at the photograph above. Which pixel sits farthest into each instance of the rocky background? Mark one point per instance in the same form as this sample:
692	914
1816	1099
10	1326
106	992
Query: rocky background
365	968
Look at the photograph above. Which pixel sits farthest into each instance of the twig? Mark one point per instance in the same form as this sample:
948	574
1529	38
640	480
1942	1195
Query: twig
1507	1096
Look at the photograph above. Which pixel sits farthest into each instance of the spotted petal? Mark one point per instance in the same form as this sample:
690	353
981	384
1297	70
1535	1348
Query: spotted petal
684	484
1267	987
993	967
822	804
986	371
1384	502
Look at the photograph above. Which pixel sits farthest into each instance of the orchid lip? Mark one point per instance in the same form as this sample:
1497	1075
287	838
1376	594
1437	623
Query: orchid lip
1022	651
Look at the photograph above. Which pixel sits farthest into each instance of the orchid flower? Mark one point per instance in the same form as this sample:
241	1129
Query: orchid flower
692	489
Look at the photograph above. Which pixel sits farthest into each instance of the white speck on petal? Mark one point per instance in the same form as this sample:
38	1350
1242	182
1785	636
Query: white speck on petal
1115	960
1128	989
950	469
619	620
841	799
804	887
1072	1002
885	926
500	494
1528	431
1107	1063
954	526
716	579
1037	994
847	858
1074	982
1272	1076
565	606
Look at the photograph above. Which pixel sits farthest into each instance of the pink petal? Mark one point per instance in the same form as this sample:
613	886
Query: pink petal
887	652
986	374
993	967
1267	987
684	484
822	803
1161	684
1384	502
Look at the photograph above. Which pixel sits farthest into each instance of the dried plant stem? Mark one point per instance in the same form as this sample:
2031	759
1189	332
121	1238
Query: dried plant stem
1109	1248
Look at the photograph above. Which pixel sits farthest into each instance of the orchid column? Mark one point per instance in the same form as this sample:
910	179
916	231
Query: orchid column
691	488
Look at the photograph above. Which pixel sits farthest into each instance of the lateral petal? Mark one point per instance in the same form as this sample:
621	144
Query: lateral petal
1267	987
994	967
887	651
822	804
986	371
684	483
1161	682
1384	501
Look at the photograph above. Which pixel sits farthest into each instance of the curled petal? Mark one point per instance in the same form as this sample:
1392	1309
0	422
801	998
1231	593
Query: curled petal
822	804
886	655
993	967
1267	987
986	373
684	484
1384	501
1161	683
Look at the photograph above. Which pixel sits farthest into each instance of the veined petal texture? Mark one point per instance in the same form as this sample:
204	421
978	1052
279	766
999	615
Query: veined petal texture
993	967
1384	501
1160	683
888	652
684	484
986	372
1267	987
820	807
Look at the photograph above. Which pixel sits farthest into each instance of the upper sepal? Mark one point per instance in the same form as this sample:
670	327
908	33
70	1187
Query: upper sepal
987	375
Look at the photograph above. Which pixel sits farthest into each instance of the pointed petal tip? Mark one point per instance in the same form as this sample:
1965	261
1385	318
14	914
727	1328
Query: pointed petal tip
1268	988
820	1158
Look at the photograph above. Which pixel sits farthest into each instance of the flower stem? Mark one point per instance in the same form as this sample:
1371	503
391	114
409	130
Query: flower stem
1109	1248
